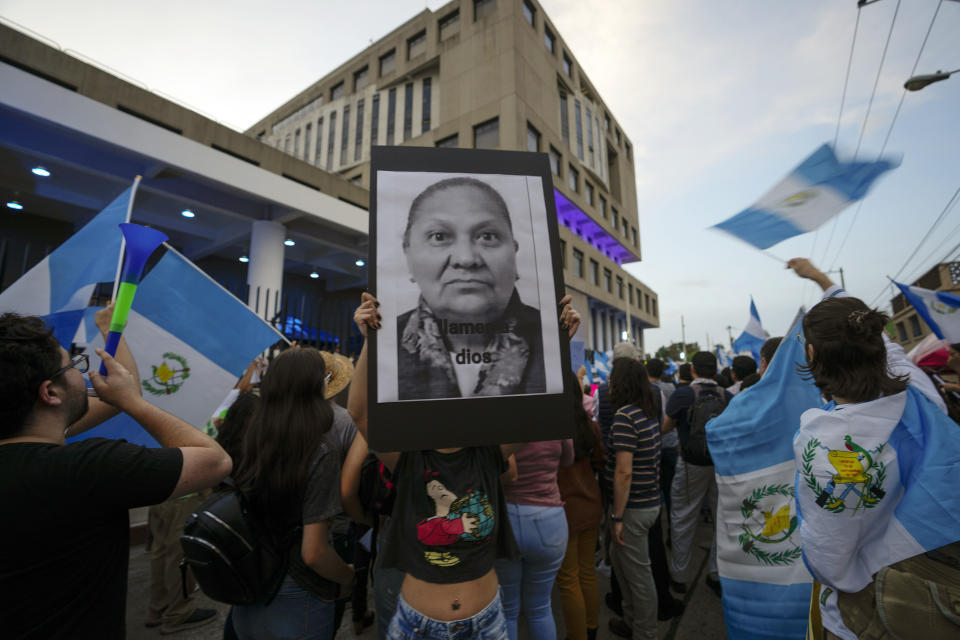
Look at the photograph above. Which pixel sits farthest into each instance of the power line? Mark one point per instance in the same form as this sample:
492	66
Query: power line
846	80
886	139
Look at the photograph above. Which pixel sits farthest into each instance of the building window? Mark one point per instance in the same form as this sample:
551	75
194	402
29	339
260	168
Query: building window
606	121
533	138
654	307
358	146
608	280
391	115
486	135
449	25
630	291
614	218
626	146
563	254
618	136
416	45
337	91
620	287
626	226
902	332
357	179
345	135
483	8
318	148
915	326
286	144
564	119
594	272
306	141
426	106
578	263
360	79
388	62
646	301
331	132
603	207
554	161
375	121
573	177
576	116
567	65
633	232
588	190
529	12
296	143
450	141
590	137
549	39
407	111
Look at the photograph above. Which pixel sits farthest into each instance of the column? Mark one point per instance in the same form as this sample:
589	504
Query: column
265	269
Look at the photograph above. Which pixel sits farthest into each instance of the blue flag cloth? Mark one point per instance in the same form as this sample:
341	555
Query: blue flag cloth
723	358
578	355
939	309
65	279
766	587
818	189
753	336
191	340
671	367
601	367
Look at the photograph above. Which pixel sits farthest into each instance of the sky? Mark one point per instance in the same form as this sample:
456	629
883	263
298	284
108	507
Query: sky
720	99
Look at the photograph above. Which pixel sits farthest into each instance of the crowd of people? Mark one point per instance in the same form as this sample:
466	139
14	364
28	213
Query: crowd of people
456	542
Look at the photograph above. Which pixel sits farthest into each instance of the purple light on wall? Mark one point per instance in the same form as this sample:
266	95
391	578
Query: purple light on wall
582	225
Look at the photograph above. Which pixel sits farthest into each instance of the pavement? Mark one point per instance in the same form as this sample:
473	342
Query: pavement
702	619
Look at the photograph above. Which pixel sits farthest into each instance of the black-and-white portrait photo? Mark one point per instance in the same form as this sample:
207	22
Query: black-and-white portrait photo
466	286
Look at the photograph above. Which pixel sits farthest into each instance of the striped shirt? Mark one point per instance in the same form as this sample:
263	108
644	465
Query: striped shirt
633	431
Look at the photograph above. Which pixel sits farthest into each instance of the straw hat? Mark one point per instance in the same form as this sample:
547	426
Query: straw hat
339	372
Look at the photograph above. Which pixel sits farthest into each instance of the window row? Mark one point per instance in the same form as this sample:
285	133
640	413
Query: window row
635	295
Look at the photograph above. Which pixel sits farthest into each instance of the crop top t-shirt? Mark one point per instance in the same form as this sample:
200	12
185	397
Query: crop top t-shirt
449	521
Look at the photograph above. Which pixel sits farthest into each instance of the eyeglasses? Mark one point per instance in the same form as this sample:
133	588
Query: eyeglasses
80	362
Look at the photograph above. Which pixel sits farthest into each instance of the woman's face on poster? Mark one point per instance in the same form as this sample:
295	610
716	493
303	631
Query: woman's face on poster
462	255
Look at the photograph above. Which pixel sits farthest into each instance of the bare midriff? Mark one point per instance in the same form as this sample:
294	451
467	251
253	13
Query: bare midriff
448	602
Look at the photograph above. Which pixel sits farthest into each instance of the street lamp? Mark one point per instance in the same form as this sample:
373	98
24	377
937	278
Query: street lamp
919	82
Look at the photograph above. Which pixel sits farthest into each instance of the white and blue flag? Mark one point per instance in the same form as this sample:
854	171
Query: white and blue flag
601	367
939	309
753	336
671	367
191	340
766	587
818	189
63	282
724	359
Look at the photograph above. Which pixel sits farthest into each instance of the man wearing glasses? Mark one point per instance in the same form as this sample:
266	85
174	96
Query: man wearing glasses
64	537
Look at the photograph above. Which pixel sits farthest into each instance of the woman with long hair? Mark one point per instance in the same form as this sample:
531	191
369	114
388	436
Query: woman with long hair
633	468
289	474
870	481
580	491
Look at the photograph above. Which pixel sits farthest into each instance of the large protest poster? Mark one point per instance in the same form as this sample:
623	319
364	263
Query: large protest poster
467	269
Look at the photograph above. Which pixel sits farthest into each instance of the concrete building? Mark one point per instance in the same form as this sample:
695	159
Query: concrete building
490	74
909	326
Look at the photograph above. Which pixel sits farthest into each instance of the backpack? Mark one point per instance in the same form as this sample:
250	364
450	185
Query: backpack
232	558
709	401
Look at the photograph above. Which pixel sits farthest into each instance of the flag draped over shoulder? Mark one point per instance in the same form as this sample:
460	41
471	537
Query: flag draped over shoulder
818	189
753	336
875	485
939	309
766	587
191	340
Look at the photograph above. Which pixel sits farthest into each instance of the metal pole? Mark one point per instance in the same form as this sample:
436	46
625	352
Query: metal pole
842	282
683	338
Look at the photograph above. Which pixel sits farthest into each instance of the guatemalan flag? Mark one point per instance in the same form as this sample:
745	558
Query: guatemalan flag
766	587
818	189
723	358
939	309
191	340
671	367
753	335
601	367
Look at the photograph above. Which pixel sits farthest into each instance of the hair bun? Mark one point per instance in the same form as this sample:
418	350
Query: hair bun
866	323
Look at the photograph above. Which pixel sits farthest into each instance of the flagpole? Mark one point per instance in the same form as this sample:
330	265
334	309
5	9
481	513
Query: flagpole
123	240
770	255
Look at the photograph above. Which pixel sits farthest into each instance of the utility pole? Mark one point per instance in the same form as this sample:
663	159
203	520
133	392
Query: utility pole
730	335
840	271
708	341
683	338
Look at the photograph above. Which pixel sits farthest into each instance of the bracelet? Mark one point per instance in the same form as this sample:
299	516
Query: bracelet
616	518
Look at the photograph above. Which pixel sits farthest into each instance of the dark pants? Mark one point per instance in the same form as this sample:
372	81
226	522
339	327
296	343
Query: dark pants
668	466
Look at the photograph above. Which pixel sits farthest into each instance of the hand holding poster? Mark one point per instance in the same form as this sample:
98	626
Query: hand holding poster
468	276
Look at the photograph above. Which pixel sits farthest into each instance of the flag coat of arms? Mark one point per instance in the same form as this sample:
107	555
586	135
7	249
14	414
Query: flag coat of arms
766	587
818	189
939	309
753	336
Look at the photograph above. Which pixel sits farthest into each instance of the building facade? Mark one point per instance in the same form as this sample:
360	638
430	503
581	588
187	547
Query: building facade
908	326
491	74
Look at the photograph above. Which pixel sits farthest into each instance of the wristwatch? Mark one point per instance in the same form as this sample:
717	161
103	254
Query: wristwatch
616	518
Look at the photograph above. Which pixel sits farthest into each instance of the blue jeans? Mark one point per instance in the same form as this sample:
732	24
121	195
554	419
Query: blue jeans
386	591
541	534
295	614
487	624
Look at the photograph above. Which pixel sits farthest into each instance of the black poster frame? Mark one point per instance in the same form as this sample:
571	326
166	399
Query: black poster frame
488	420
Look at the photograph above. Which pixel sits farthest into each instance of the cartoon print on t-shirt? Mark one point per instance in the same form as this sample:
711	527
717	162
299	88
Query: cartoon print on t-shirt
468	518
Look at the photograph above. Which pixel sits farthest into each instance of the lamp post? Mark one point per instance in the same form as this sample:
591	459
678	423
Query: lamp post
919	82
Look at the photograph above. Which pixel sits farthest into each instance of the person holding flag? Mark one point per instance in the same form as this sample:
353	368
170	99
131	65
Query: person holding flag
880	515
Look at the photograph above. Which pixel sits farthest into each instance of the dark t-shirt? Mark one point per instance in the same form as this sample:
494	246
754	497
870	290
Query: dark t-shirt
65	533
682	399
449	522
